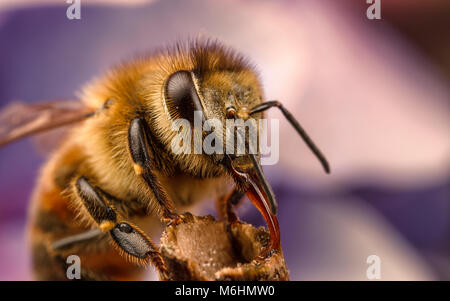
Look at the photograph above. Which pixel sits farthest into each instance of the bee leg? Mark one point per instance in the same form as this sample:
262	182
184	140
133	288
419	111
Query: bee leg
226	203
131	241
139	146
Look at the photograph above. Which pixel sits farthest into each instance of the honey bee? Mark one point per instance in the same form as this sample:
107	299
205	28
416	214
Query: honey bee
114	172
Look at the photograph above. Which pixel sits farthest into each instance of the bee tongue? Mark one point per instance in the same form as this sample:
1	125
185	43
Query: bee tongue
259	198
261	195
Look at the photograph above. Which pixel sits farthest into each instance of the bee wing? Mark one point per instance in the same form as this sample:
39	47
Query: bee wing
19	120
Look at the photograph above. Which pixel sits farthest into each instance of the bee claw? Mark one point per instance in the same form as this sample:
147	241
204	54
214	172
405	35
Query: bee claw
234	221
169	221
265	253
176	219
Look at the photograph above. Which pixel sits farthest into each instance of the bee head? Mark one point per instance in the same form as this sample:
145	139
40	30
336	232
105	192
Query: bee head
213	98
204	88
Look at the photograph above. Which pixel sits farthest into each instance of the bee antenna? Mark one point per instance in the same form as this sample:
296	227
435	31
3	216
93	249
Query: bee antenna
274	103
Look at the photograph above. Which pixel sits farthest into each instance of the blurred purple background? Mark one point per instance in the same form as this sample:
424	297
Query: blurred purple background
373	94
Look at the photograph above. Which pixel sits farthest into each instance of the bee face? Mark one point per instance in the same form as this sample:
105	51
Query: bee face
216	94
224	92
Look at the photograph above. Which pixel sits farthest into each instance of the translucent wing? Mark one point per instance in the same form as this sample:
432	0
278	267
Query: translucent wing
18	120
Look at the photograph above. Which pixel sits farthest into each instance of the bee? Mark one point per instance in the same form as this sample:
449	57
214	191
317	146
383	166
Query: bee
114	173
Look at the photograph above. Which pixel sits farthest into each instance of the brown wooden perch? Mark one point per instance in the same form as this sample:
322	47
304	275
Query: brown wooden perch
201	248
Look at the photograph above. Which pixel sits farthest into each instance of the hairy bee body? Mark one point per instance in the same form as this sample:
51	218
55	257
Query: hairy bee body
98	149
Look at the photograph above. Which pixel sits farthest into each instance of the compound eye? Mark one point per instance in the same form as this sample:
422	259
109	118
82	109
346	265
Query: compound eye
181	96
